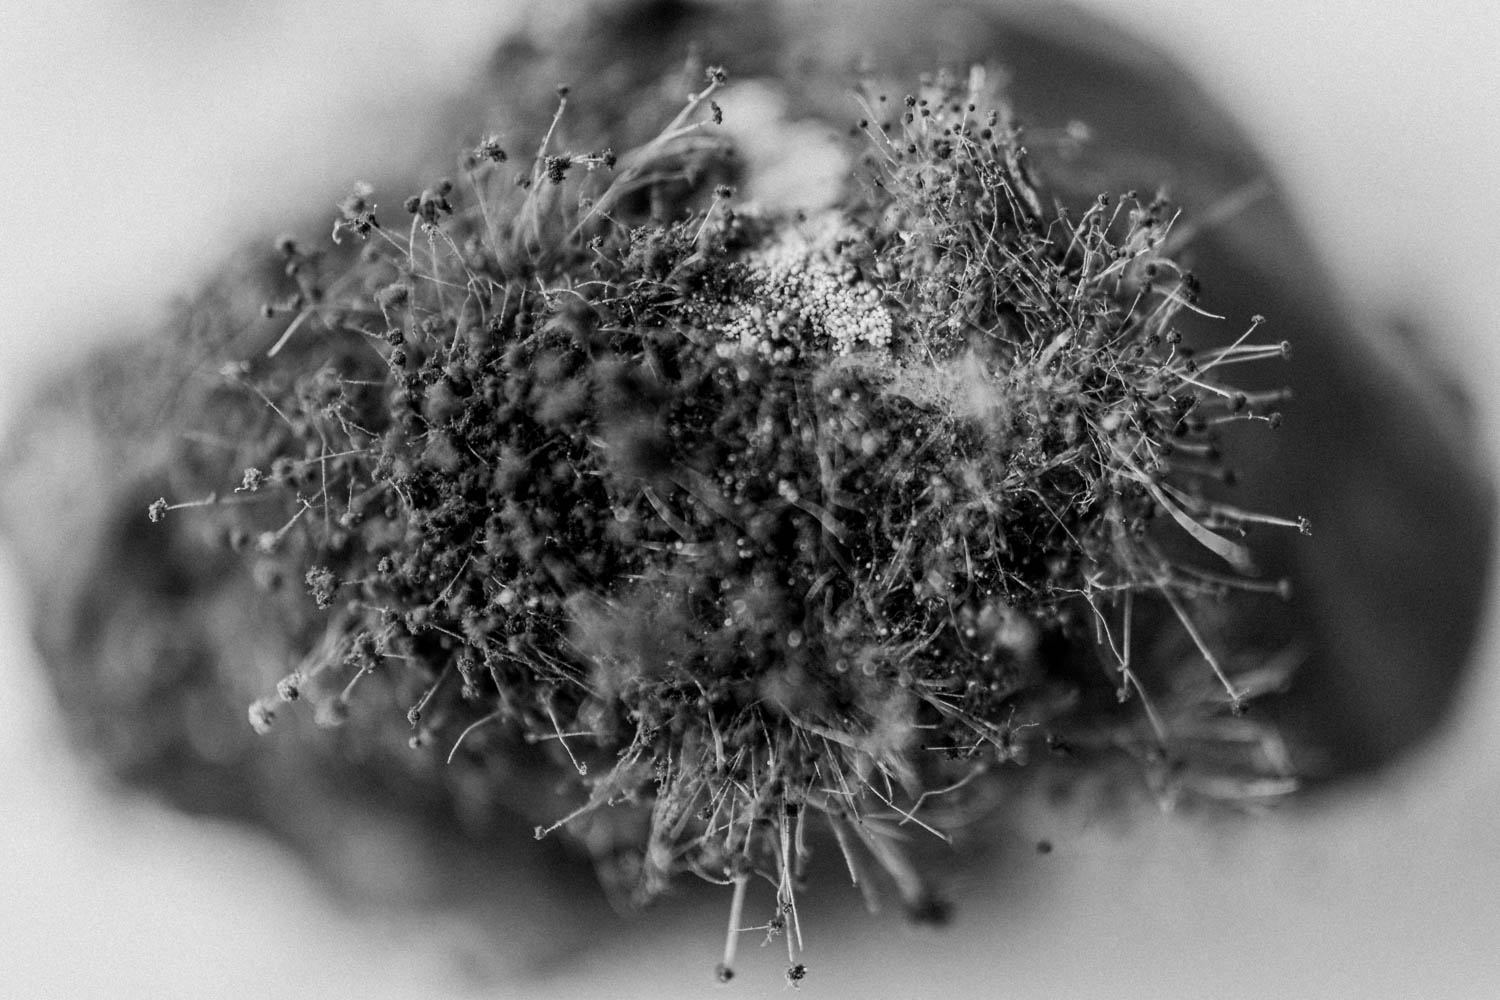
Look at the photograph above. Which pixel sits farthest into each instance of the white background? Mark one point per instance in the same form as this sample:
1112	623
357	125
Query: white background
139	140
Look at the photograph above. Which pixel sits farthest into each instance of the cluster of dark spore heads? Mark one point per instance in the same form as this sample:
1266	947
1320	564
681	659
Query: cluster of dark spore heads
752	527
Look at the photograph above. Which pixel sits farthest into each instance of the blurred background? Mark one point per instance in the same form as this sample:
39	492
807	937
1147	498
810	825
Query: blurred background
142	141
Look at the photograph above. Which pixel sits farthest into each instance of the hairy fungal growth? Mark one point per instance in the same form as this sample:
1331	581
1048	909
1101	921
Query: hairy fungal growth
753	528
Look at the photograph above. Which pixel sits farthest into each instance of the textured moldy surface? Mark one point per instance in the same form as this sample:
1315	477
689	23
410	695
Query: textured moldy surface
1394	487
